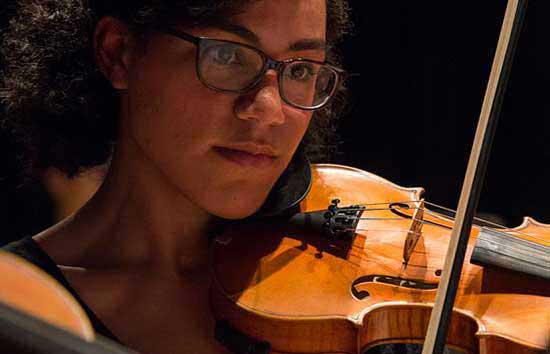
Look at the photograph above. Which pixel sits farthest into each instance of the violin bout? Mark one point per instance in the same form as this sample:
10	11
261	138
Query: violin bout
304	292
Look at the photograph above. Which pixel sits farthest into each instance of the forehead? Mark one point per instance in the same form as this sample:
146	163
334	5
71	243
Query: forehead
284	20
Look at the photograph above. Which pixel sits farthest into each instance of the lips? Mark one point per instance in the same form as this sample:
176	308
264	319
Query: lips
248	154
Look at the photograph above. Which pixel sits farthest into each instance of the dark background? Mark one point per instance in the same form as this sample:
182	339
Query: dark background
422	71
423	68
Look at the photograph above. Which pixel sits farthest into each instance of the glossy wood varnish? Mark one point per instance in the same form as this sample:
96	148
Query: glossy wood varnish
27	288
293	289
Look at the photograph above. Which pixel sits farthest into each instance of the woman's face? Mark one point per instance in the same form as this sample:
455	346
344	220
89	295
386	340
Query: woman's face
223	151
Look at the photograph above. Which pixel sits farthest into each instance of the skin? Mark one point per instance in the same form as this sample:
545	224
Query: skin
137	252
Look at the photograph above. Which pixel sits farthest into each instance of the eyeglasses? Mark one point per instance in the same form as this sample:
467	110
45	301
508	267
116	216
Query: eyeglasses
227	66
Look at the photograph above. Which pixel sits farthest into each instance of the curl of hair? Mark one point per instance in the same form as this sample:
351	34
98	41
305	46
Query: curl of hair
63	110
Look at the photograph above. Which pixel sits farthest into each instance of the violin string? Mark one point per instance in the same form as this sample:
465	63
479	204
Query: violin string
407	202
493	224
427	210
386	230
370	209
415	233
425	222
364	207
391	219
386	203
385	218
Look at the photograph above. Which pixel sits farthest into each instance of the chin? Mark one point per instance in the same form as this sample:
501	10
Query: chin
238	206
236	212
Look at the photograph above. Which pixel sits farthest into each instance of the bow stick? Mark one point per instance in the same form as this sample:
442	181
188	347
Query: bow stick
473	181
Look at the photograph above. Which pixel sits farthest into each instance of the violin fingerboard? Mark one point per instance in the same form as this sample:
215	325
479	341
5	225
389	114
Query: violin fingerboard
503	250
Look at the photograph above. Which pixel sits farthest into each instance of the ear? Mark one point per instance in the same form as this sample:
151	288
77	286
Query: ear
113	43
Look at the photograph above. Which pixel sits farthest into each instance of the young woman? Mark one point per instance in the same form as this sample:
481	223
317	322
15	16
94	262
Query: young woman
201	106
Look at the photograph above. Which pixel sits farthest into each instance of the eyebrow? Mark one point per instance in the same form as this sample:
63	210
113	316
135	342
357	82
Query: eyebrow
309	44
248	35
240	31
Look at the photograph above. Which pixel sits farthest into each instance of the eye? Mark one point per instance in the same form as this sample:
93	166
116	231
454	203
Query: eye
302	72
226	54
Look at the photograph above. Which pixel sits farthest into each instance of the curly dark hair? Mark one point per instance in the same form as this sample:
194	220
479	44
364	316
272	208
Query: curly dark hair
64	111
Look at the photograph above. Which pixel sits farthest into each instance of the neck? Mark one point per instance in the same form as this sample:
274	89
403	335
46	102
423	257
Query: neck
138	217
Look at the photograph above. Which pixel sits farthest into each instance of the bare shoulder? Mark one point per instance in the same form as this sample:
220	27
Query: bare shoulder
57	243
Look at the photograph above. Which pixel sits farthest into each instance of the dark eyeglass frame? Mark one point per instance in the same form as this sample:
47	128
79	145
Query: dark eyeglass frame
268	63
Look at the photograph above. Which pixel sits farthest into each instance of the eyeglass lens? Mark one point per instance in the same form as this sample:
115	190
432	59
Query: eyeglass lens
232	67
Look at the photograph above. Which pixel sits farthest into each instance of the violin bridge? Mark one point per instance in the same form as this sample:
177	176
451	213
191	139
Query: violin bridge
415	231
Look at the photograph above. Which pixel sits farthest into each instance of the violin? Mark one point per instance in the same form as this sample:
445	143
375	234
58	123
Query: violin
389	270
344	280
34	292
334	279
383	276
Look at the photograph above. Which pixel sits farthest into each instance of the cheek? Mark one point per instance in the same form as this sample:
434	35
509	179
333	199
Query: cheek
297	123
166	118
165	107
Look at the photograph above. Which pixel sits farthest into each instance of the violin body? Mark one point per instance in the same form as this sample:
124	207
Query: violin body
305	293
29	289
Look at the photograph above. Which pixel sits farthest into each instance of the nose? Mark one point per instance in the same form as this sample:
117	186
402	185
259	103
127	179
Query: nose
263	103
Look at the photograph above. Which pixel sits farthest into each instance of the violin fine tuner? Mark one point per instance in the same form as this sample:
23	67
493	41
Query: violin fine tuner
340	222
334	223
